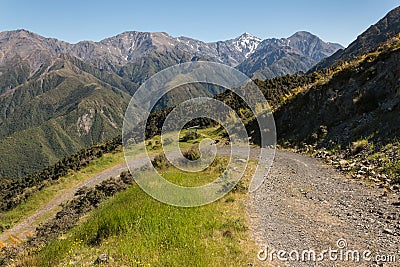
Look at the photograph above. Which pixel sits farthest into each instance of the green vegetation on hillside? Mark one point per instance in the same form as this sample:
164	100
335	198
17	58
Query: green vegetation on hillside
57	113
67	104
354	100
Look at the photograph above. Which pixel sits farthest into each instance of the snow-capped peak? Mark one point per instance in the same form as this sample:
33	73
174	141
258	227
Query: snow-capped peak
247	43
248	36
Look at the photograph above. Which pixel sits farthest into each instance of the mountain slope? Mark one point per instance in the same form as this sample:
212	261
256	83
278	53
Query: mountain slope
277	57
55	115
360	100
386	28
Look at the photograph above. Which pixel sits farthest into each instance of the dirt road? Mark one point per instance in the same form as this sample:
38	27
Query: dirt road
306	205
28	224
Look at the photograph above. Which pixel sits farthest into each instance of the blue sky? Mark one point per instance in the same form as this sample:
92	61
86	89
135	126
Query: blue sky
73	21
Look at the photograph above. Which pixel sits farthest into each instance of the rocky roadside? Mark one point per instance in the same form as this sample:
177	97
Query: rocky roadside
363	161
305	204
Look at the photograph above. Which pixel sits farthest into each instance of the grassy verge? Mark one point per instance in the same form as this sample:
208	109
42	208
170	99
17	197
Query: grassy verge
136	230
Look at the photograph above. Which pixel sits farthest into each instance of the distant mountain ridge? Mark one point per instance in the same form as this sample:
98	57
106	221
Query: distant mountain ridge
57	97
126	47
277	57
130	46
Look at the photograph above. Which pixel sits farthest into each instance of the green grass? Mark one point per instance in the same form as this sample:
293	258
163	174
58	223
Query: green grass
136	230
154	145
186	179
64	184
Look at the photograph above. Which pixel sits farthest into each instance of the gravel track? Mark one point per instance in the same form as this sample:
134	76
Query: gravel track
304	205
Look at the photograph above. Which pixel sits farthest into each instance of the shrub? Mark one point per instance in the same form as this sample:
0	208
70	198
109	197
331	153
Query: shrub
160	161
358	146
190	135
192	153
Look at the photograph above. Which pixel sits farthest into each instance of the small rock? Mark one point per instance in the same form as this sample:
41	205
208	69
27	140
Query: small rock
102	258
375	180
395	187
227	233
388	231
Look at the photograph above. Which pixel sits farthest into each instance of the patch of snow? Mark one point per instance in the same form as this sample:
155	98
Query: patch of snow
247	44
132	46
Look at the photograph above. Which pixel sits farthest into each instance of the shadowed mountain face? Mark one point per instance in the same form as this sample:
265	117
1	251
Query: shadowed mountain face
57	97
388	27
349	101
361	100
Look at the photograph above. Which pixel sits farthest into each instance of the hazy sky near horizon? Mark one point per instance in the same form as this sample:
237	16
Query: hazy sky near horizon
73	21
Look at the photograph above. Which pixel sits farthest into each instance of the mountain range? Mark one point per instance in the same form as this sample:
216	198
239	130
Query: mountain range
129	47
57	97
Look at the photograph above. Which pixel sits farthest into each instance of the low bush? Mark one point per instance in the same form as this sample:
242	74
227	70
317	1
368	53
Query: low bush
192	153
190	135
